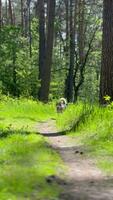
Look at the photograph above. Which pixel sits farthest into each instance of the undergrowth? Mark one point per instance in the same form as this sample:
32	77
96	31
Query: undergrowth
94	126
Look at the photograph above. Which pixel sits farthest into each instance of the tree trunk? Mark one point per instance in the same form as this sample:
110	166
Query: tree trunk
14	75
42	42
69	80
14	17
0	14
67	46
26	19
30	34
81	45
46	70
37	8
10	12
6	12
81	33
106	79
22	17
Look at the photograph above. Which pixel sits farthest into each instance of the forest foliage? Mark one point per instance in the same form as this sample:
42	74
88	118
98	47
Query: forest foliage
20	49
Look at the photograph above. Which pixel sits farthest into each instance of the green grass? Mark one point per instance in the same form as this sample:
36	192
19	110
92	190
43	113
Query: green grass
69	117
25	162
24	114
94	126
25	158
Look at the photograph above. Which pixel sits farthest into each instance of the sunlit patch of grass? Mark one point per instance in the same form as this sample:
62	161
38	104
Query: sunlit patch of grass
98	134
25	162
106	165
25	158
66	119
27	109
95	130
24	113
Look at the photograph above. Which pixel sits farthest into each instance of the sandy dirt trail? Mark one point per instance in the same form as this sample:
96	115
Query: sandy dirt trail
84	181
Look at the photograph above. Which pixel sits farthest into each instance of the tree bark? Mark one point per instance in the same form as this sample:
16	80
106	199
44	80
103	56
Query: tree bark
46	66
67	46
0	14
81	33
106	79
14	75
30	34
42	42
10	12
6	12
26	18
81	45
37	8
22	17
69	81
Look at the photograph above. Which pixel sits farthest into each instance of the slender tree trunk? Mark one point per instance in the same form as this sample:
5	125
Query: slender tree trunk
67	45
14	17
70	76
14	74
26	19
46	75
6	12
81	31
37	8
72	54
22	17
30	35
106	79
10	12
42	42
81	46
0	14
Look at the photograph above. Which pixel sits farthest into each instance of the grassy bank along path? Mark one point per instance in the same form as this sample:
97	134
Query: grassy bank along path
26	160
83	180
31	166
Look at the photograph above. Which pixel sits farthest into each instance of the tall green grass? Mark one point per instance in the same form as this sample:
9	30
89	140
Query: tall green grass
69	117
25	158
24	113
25	162
94	126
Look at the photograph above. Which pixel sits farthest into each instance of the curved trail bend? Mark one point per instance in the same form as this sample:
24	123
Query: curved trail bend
84	181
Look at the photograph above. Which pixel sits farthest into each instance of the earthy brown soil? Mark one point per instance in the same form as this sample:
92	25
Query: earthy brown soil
83	180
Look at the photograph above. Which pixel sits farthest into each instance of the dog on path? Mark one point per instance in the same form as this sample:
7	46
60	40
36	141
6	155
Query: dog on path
61	105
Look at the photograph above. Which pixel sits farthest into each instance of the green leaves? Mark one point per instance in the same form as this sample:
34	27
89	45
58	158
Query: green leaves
17	70
107	98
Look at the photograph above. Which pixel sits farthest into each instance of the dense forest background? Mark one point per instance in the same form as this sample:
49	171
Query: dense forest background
50	49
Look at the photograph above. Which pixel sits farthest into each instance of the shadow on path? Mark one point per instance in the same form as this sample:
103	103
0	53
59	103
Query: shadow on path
84	181
54	134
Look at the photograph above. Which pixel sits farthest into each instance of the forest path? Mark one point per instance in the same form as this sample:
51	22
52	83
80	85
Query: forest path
84	181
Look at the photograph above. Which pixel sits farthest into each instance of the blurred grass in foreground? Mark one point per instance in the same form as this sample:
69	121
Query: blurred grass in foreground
25	158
